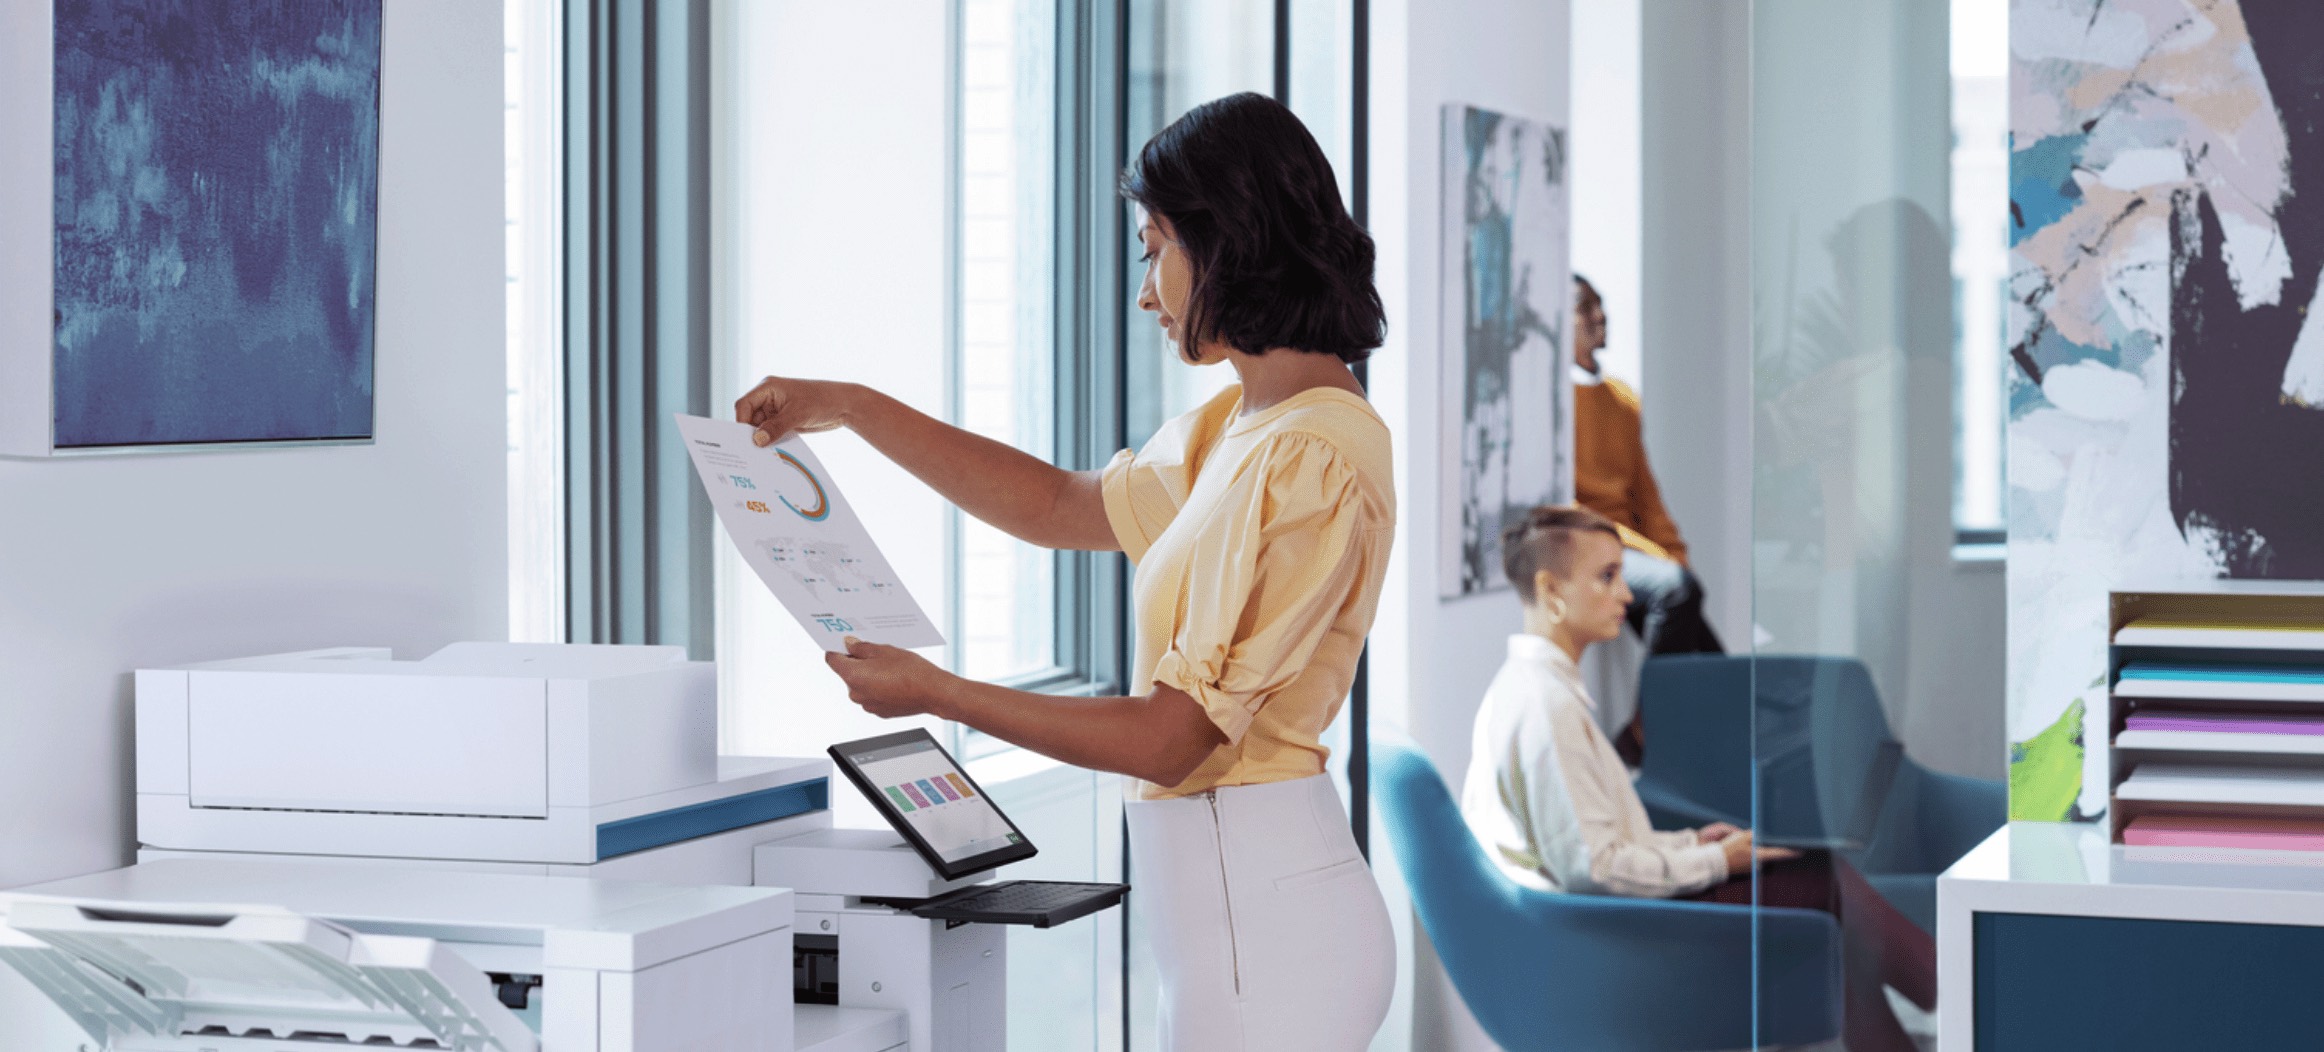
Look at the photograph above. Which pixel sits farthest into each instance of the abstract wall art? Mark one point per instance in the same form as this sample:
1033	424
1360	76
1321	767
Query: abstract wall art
215	221
2166	333
1507	398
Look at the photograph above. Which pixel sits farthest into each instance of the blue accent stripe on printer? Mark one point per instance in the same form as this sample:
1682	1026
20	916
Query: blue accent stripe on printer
662	828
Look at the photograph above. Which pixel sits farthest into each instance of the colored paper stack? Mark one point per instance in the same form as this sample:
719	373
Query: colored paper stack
2218	727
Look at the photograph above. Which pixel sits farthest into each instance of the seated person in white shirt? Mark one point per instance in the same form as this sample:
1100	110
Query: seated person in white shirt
1554	806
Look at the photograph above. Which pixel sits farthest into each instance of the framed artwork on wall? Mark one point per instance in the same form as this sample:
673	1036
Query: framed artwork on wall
194	187
1507	401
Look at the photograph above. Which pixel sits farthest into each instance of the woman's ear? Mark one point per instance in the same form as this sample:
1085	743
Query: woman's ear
1545	584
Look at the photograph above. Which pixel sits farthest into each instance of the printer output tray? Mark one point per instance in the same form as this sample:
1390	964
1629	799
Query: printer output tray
188	977
1039	903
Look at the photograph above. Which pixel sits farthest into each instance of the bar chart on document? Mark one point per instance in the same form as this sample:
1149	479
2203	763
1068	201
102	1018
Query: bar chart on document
798	533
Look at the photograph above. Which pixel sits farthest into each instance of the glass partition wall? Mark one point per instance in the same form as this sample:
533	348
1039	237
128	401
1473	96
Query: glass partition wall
1876	598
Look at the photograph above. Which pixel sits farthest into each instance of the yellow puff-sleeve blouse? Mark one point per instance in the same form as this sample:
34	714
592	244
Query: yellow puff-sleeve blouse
1261	542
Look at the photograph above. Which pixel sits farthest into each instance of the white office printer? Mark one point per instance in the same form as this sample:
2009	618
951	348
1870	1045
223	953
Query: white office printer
534	757
168	957
581	761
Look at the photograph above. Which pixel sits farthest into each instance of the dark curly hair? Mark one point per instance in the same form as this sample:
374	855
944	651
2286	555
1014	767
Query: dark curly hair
1277	261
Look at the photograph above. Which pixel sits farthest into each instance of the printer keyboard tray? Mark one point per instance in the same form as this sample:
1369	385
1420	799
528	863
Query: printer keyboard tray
1040	903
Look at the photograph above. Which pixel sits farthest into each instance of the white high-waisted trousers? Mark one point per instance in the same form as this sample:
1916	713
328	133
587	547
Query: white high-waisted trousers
1270	933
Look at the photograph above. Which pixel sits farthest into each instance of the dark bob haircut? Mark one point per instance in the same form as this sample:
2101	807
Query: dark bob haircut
1277	261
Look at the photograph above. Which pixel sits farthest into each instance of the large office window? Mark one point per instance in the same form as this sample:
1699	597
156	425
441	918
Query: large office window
1980	185
533	119
832	250
886	213
1004	607
1183	53
1320	79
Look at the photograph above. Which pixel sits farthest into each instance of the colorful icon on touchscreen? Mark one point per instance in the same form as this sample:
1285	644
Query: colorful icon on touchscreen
901	801
913	791
961	784
930	792
946	788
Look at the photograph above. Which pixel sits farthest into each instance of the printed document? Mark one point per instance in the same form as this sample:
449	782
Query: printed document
798	534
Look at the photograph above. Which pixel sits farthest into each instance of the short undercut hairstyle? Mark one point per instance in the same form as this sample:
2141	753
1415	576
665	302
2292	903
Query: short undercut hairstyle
1544	540
1277	261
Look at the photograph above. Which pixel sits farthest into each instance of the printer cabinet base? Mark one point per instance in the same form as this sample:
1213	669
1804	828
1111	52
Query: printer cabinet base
951	982
713	1001
831	1028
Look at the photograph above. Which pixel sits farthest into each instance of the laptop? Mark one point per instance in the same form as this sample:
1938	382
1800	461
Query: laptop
1871	800
959	831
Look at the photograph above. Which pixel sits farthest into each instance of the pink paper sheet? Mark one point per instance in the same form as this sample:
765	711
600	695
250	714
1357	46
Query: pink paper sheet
2274	834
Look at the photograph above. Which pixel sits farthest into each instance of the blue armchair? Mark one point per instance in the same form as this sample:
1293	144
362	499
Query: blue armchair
1819	729
1543	970
1696	712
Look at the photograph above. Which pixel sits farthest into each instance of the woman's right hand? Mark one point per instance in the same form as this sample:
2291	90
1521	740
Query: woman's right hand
1025	496
780	406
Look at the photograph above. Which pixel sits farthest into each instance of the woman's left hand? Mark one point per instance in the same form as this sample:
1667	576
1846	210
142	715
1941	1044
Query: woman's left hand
889	681
1715	832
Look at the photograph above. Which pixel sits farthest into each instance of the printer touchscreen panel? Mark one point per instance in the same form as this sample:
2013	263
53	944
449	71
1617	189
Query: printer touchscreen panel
923	793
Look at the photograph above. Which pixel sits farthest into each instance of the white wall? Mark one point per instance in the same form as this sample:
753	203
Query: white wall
1432	658
1436	656
1607	166
1695	294
112	563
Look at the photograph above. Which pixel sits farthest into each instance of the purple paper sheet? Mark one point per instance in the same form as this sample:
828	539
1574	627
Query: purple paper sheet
2223	724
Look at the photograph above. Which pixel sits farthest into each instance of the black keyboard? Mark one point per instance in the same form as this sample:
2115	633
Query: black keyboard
1040	903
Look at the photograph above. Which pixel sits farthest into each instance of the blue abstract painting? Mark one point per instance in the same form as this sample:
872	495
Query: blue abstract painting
217	185
1509	296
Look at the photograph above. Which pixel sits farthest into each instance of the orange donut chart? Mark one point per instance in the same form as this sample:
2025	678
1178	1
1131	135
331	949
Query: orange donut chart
822	508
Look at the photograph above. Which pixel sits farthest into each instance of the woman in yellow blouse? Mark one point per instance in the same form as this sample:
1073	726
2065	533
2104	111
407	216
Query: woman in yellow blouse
1260	524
